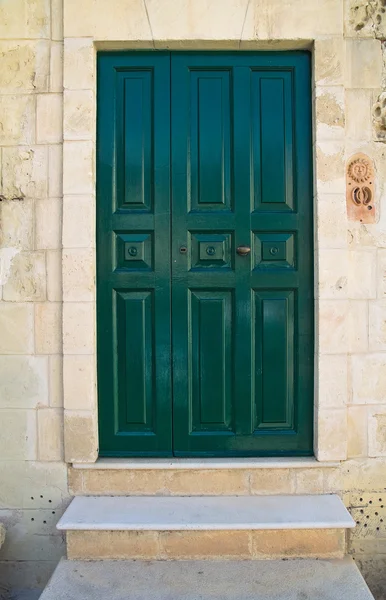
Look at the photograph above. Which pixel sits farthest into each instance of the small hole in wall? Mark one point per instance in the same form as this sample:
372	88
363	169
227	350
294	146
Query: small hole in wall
362	511
377	528
360	499
49	500
357	522
381	520
41	496
370	502
376	514
369	207
32	519
45	522
367	517
365	524
380	499
32	498
53	512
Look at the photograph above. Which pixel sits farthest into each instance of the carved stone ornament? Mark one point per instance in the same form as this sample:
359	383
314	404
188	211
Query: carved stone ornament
360	196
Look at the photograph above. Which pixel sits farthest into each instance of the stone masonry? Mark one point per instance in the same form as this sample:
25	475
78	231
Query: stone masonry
47	248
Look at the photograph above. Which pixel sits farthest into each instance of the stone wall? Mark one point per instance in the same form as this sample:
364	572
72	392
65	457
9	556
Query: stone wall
39	225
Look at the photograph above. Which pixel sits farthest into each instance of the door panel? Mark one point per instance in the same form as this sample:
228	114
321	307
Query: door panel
133	265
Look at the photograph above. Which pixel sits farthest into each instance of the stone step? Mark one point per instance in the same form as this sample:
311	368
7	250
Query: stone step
208	580
185	527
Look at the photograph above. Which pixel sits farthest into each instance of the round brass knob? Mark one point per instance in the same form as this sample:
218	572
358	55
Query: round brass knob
243	250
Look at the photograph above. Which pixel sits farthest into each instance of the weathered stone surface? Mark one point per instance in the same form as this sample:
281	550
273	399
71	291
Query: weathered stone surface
17	120
330	167
56	67
331	229
358	114
107	544
50	434
55	171
302	543
27	280
332	381
78	275
78	162
332	326
358	326
79	64
79	379
329	61
368	378
330	115
49	118
16	328
2	534
332	273
79	115
25	172
362	273
363	63
16	225
80	436
54	275
78	328
357	444
24	66
23	381
377	431
48	328
18	434
24	19
377	326
331	434
78	222
55	366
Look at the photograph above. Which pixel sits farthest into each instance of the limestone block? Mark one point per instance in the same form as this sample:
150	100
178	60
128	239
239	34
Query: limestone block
182	545
16	224
331	229
54	275
45	482
379	117
109	544
363	63
55	171
48	221
16	328
27	281
24	66
80	436
358	326
329	61
298	543
17	119
79	115
332	381
272	481
18	434
119	20
50	434
55	368
78	222
78	328
56	67
357	431
329	112
330	167
332	327
57	19
122	482
23	381
381	273
48	328
79	64
358	114
211	483
369	378
2	534
377	431
26	19
309	481
78	275
332	273
78	160
79	382
362	273
377	325
365	19
49	118
25	172
331	434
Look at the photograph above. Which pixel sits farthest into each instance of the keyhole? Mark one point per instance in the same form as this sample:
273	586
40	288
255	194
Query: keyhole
133	251
210	250
274	251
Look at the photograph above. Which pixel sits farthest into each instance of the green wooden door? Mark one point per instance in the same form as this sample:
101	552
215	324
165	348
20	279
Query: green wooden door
205	235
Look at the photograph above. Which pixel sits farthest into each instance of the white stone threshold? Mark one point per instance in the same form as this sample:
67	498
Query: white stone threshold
210	463
160	513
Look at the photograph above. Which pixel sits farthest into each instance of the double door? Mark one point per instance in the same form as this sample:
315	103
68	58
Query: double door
204	254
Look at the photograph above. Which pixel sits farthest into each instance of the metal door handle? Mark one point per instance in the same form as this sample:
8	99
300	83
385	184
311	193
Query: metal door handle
243	250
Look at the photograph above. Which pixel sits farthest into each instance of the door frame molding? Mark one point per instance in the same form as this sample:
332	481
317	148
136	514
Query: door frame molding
79	263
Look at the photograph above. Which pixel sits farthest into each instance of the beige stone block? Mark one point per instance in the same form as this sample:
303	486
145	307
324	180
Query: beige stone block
18	434
27	280
124	482
80	436
362	273
48	328
363	63
332	380
25	172
369	378
79	381
377	326
358	114
377	431
16	328
330	112
79	64
54	275
358	326
23	381
330	167
331	227
309	481
272	481
55	369
78	163
49	118
78	275
329	61
357	431
332	326
298	543
332	273
25	19
16	224
50	434
204	544
120	20
11	474
79	115
25	66
57	19
96	545
55	171
75	481
48	224
2	534
208	482
78	328
331	434
78	222
56	67
17	120
381	273
45	482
